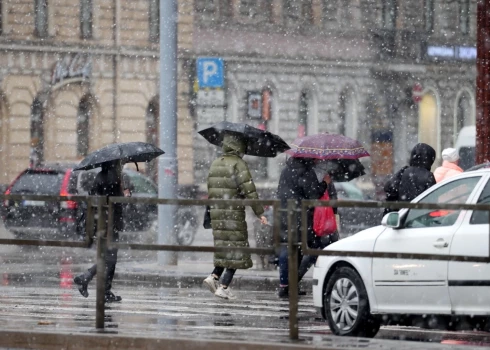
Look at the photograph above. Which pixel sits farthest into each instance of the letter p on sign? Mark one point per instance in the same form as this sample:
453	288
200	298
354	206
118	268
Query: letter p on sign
210	72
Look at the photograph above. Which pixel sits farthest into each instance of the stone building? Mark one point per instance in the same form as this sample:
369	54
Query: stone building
390	73
78	74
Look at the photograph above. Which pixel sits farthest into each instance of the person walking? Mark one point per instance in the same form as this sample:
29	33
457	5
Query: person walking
229	178
315	241
108	183
412	180
449	167
298	181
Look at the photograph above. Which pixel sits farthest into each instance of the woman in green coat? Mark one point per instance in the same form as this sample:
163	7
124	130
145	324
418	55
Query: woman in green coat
229	178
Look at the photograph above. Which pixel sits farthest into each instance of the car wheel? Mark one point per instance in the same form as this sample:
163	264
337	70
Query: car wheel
185	231
347	305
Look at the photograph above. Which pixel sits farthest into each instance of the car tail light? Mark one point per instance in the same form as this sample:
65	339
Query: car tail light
64	192
6	203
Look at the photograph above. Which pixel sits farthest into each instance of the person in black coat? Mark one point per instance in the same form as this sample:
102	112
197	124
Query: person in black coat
412	180
109	182
298	181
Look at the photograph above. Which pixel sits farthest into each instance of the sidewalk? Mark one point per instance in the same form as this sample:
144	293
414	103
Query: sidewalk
187	274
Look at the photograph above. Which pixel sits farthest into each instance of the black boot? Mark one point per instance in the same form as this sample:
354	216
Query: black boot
111	297
283	292
82	282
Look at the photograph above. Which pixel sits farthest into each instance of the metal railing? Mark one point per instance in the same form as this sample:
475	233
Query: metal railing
105	228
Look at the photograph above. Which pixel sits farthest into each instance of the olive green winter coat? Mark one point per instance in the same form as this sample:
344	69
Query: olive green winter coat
229	178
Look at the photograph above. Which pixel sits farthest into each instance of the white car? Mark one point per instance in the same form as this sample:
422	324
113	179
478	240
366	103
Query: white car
356	294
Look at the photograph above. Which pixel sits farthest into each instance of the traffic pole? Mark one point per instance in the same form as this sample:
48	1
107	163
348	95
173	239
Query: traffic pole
167	165
483	82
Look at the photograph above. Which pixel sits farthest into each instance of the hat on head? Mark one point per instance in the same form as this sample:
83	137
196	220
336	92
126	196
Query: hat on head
450	154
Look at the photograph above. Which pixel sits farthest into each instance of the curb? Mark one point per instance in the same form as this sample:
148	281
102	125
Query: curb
250	283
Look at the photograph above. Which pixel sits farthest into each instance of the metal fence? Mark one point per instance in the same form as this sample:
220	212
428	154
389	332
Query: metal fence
105	210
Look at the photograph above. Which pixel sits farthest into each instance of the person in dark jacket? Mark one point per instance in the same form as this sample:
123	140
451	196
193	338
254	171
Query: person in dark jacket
412	180
298	181
229	178
315	242
109	183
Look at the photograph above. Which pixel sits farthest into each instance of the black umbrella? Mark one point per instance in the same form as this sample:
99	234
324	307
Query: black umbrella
127	152
342	170
260	143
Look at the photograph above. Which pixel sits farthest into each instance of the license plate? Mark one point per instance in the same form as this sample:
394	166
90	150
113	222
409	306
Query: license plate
33	203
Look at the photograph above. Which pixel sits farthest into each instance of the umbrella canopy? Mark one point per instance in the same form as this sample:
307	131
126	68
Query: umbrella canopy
342	170
259	143
327	146
127	152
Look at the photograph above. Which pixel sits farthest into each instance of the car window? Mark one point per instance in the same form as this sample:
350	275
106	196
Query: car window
87	179
481	217
42	183
353	192
140	185
452	193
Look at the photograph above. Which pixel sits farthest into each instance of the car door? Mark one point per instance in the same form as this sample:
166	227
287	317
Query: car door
469	282
420	286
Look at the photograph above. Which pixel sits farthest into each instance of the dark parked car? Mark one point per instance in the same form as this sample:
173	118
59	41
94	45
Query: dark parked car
46	219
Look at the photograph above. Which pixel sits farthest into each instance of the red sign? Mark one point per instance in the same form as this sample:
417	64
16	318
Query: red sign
417	93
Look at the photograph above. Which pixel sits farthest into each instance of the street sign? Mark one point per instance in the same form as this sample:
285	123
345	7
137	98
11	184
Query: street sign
211	98
210	72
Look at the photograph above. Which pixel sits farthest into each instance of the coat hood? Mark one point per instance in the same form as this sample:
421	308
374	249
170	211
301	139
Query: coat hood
423	156
234	144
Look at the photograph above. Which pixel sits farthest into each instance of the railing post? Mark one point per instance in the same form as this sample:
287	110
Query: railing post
101	265
293	269
89	224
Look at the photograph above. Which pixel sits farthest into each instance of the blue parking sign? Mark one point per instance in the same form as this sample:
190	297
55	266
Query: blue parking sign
210	72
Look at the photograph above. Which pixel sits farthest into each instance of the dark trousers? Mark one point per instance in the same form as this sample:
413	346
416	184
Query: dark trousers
110	269
228	276
309	260
304	261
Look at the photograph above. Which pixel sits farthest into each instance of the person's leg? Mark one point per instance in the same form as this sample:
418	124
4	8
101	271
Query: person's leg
306	263
84	279
211	282
111	261
223	291
283	267
228	277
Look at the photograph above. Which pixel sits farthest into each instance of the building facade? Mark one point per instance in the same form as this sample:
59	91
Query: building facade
78	74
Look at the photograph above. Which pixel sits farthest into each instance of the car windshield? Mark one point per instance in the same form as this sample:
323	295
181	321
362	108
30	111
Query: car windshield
43	183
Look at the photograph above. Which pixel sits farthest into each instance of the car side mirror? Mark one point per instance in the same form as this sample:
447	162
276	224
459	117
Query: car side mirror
391	220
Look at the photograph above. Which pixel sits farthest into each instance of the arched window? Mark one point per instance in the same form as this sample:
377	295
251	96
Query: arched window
152	116
154	20
83	127
389	14
41	18
304	111
348	113
330	9
464	16
298	12
429	15
86	18
37	133
428	121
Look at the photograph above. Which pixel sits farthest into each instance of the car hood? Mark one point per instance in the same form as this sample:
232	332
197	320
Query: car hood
362	241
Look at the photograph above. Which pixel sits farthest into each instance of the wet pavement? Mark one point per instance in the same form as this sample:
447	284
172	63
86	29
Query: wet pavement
194	314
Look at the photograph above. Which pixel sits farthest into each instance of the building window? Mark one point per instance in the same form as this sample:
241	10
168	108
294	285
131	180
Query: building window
37	133
464	16
389	14
86	21
154	14
330	9
41	18
304	111
429	15
83	127
347	113
152	117
299	12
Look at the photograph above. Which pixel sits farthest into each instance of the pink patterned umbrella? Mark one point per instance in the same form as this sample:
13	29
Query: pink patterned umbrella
327	146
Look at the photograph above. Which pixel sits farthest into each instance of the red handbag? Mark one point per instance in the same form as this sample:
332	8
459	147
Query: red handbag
324	222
